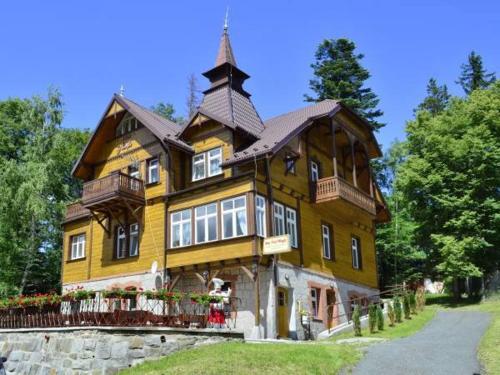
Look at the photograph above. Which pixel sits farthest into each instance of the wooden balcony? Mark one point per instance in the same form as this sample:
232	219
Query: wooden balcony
76	211
114	192
332	188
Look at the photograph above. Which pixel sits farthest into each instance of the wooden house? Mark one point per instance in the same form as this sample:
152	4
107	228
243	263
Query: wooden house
165	205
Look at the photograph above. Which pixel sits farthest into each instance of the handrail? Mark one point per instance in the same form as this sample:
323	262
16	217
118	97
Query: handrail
115	183
330	188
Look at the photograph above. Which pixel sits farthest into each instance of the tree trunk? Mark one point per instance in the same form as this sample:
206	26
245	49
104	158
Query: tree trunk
456	289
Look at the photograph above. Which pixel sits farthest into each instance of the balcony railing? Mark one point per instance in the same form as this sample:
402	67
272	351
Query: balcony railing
76	211
331	188
115	185
137	311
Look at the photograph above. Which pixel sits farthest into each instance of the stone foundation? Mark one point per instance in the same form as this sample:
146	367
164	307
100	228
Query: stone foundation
95	351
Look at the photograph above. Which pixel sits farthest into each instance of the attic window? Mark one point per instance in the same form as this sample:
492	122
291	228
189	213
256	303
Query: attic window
128	124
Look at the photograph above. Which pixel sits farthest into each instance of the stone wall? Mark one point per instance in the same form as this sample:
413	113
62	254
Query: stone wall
94	351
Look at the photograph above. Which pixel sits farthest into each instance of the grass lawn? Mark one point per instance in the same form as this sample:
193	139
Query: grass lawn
241	358
489	348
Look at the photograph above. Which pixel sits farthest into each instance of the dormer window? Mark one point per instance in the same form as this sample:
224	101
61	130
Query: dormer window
128	124
207	164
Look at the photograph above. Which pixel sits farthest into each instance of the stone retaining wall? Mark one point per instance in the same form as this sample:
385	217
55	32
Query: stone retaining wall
93	351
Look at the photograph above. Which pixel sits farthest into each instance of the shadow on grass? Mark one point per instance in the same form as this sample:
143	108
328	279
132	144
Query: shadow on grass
447	300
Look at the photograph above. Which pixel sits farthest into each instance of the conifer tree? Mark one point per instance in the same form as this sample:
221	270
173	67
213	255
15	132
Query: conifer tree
413	303
436	100
390	314
474	76
380	318
397	309
339	75
356	320
372	317
406	305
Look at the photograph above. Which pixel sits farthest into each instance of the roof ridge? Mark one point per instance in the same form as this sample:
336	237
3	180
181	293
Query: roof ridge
298	109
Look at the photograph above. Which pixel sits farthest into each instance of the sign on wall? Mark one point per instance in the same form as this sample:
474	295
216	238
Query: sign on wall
277	244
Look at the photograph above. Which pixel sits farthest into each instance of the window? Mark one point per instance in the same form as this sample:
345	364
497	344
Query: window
206	223
314	171
291	226
207	164
289	165
214	162
327	238
234	217
120	242
198	167
279	219
127	125
153	171
356	252
134	240
181	228
78	246
260	215
315	295
133	170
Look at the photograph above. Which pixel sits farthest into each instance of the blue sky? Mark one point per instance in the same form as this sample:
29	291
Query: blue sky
89	48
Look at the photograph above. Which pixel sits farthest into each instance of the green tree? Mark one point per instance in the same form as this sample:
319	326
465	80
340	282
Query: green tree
437	98
474	76
356	320
398	311
35	185
339	75
406	305
372	317
167	111
390	314
398	256
380	318
450	179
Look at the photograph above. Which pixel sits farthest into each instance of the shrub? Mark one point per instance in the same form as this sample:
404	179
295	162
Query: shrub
420	296
398	310
406	305
356	320
372	317
380	318
390	314
413	303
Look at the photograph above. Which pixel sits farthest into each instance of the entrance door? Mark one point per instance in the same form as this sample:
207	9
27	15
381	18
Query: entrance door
282	312
330	308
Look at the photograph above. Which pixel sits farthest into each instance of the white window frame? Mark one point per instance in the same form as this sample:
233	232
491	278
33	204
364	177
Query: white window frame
327	241
137	173
279	219
260	216
180	223
291	226
290	164
133	232
78	246
314	171
234	221
210	158
121	235
205	217
202	158
355	252
315	299
206	158
153	164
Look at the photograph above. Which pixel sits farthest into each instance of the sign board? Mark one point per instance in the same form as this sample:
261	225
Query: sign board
277	244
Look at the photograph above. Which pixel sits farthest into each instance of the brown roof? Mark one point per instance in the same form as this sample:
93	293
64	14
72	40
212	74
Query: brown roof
161	127
225	54
279	130
236	109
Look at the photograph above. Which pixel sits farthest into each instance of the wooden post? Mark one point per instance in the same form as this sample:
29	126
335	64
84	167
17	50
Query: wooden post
333	127
354	172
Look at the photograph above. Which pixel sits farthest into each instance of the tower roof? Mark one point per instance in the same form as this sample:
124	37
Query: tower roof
225	54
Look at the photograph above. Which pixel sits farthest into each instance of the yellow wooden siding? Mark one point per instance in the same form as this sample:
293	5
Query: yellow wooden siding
211	252
75	270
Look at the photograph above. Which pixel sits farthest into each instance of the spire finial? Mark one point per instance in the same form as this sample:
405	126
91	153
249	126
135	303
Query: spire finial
226	20
122	91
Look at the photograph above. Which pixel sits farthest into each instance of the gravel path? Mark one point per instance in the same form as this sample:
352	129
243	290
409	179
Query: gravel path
447	345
